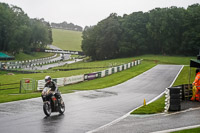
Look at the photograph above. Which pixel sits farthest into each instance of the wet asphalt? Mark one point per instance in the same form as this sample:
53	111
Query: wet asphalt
88	110
157	123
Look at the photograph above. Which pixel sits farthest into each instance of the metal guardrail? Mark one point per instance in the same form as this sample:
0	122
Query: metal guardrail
27	63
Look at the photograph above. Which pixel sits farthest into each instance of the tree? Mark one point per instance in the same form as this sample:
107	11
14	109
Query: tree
40	34
89	42
191	35
20	33
134	36
101	41
6	15
167	31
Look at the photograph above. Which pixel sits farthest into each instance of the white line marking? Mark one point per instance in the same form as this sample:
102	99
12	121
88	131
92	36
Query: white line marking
176	76
190	109
177	129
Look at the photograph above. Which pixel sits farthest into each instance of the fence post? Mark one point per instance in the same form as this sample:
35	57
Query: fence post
36	85
20	86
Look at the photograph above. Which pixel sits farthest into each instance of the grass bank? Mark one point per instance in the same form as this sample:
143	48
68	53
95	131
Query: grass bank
67	39
34	55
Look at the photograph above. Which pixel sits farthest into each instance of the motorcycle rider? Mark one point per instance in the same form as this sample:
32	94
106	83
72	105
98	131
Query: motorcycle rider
51	84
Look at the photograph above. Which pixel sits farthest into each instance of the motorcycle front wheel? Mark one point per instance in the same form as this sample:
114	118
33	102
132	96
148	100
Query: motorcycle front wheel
62	107
47	108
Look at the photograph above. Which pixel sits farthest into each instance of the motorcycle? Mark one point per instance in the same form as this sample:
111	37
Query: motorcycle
52	102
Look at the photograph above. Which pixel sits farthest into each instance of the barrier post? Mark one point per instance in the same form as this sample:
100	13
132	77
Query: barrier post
20	88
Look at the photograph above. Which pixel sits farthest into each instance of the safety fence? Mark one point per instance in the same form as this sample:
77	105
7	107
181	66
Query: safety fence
90	76
27	63
9	86
175	95
24	86
27	85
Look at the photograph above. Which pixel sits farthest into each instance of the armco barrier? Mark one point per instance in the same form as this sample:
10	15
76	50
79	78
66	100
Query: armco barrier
26	63
103	73
62	81
75	79
90	76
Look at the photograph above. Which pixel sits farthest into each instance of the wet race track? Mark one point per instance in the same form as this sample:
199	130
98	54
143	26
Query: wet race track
87	110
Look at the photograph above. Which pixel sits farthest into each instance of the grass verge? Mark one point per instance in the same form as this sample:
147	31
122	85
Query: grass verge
34	55
154	107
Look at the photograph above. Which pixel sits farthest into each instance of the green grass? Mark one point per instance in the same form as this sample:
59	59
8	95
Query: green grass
178	60
194	130
155	107
34	55
97	64
120	77
67	39
115	62
183	77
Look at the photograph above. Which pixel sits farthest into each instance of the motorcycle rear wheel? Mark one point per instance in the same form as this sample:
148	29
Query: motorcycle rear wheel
47	108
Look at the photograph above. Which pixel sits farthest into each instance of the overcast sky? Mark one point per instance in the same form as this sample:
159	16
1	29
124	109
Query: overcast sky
89	12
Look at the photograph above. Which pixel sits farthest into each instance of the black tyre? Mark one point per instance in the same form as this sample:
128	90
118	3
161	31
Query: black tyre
47	108
62	107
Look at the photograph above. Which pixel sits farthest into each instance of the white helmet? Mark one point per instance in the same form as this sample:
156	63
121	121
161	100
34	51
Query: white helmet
47	78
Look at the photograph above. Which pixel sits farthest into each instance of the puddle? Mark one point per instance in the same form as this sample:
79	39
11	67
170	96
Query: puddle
99	94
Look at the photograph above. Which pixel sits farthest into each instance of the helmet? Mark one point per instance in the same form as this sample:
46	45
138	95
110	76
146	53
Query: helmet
47	78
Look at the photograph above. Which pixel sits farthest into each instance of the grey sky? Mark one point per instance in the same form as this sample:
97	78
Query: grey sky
89	12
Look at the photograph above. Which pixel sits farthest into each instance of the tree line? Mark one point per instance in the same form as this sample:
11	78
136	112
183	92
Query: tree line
66	26
20	33
166	31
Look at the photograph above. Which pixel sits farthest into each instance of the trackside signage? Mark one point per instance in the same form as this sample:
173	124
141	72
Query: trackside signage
73	79
90	76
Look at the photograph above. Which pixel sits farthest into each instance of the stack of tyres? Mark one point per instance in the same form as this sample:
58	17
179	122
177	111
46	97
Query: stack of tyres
175	100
